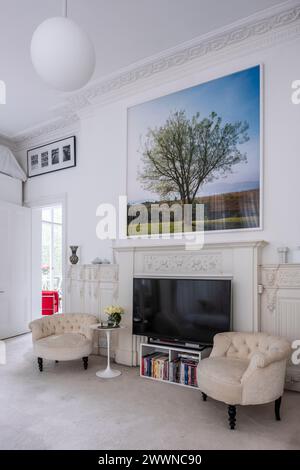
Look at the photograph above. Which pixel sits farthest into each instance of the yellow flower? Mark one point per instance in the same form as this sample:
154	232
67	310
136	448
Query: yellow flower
114	309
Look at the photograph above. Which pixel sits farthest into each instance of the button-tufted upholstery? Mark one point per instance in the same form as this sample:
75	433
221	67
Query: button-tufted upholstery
63	337
244	368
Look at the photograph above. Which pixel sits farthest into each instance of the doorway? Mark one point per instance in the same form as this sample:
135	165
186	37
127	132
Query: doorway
48	254
52	266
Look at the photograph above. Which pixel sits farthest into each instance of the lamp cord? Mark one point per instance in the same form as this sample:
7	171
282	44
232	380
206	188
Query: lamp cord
65	8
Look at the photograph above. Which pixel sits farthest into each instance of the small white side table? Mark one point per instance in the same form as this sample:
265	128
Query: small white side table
107	373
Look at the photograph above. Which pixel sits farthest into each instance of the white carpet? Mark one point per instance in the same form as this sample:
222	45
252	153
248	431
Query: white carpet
66	407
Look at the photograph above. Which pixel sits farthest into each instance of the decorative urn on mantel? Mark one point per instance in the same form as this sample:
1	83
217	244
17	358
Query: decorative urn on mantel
74	258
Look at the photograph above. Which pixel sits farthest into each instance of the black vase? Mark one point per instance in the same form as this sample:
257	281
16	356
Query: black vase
74	258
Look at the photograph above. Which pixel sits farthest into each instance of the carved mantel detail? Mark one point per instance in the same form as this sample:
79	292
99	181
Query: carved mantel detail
210	263
281	276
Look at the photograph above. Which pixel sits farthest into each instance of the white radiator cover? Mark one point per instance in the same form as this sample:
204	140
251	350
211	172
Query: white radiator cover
89	289
280	308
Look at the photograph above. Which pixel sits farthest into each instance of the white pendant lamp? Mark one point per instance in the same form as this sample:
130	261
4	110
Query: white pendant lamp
62	53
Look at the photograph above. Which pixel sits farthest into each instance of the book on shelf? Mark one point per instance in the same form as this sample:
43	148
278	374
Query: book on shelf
155	365
183	369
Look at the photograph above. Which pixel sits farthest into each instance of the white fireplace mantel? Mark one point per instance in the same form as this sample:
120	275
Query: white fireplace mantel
239	260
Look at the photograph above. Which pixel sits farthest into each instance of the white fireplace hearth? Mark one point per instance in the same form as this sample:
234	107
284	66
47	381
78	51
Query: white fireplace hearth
238	260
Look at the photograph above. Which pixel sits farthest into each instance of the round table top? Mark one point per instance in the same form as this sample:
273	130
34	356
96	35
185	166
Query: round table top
99	327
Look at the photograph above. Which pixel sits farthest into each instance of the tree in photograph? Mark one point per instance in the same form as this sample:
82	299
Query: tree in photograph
183	154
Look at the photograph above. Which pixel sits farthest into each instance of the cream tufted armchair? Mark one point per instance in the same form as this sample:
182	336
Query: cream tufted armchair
244	369
63	337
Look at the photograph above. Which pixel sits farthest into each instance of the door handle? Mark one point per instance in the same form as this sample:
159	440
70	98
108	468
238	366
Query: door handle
2	292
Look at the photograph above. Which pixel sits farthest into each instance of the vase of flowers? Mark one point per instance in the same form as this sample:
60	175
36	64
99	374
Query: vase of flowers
114	313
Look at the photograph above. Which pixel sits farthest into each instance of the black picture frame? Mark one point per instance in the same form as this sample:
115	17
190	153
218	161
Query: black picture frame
52	157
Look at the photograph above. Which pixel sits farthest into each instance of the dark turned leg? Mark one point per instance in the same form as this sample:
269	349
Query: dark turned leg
277	408
204	396
231	416
85	362
40	363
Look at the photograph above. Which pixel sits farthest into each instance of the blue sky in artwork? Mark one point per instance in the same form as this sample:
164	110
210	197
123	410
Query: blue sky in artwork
235	97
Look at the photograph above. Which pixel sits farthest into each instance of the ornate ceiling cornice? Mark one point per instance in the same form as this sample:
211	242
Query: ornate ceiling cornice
27	139
266	29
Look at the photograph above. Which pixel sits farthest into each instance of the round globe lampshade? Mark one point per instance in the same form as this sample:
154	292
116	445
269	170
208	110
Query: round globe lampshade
62	54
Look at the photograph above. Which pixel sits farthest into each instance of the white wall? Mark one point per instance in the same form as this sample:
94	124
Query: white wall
10	189
100	175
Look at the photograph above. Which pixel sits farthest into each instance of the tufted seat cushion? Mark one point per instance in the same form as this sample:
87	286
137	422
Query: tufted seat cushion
244	368
63	337
64	347
220	378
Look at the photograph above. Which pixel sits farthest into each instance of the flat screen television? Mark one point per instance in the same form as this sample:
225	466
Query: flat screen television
181	310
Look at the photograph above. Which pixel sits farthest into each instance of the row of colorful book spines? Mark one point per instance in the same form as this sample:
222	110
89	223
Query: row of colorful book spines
188	375
178	372
183	373
156	368
148	362
159	369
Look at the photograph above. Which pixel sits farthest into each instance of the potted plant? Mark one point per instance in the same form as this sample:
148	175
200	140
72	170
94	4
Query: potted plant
114	313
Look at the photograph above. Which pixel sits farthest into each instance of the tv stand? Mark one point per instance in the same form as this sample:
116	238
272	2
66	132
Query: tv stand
166	355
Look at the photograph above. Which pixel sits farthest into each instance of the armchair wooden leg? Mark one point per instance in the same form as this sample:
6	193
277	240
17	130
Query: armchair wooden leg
40	363
85	362
231	416
277	408
204	396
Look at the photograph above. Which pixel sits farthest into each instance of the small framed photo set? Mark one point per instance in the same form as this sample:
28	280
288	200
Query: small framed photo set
54	156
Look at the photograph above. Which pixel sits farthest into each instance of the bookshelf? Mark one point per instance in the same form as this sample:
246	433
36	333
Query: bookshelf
168	364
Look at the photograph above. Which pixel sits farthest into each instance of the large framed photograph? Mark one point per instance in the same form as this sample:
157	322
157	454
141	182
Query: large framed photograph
200	145
51	157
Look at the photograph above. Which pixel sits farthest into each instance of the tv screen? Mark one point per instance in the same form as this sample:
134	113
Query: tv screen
184	310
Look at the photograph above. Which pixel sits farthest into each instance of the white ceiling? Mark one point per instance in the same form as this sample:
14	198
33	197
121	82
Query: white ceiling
123	32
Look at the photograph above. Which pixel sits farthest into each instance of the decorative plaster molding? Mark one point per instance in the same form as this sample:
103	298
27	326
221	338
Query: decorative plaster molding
280	277
289	278
93	273
271	299
179	56
185	263
266	28
27	139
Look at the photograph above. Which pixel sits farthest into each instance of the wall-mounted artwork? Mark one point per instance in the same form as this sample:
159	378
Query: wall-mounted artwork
54	156
200	145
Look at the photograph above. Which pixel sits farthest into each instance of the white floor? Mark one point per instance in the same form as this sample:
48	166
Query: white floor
66	407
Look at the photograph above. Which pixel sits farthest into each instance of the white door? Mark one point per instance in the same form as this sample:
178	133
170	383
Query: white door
15	272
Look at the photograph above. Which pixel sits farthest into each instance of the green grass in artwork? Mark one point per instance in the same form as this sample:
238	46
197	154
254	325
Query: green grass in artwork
221	212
